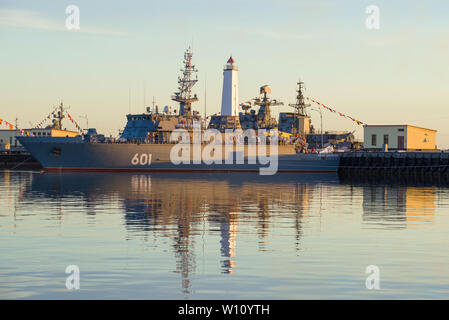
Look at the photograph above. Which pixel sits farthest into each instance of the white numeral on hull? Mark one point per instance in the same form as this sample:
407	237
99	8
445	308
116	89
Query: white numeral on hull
143	159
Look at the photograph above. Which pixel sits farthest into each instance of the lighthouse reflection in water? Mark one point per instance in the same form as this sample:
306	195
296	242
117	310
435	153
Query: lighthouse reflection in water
220	236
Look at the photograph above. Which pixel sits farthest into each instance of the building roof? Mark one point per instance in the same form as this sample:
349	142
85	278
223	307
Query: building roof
397	125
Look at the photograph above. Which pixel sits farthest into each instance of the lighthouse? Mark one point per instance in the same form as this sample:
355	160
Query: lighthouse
230	94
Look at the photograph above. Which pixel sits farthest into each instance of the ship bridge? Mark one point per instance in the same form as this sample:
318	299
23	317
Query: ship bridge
138	126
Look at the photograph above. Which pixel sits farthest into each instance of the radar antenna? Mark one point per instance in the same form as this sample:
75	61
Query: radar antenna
264	115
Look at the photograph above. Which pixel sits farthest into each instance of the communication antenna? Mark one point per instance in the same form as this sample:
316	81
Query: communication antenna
144	94
87	121
129	100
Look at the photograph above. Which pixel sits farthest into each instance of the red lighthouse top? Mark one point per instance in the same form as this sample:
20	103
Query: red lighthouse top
231	60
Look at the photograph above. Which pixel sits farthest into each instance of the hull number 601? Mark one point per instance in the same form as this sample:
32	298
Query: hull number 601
142	159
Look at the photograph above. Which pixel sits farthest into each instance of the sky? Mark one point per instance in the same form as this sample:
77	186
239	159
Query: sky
397	74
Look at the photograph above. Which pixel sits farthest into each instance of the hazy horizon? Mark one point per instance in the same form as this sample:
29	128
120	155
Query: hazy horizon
397	74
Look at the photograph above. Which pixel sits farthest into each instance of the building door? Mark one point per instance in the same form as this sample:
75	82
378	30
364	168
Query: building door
400	142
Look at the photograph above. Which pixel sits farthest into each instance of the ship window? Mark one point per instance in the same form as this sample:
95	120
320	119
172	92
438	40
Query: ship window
373	140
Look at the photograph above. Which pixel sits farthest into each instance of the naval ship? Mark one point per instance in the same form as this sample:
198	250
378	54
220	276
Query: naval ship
147	142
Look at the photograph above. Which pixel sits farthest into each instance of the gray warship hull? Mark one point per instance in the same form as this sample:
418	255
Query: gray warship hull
73	154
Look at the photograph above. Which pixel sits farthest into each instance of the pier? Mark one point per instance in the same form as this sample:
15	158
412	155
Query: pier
394	163
17	160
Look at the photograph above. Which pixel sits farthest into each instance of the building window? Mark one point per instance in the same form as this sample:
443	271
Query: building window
385	138
373	139
401	130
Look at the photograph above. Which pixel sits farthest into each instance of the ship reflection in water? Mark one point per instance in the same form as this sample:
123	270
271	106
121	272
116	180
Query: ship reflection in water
177	207
220	235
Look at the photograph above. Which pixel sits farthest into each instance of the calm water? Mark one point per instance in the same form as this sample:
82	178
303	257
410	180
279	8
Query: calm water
221	236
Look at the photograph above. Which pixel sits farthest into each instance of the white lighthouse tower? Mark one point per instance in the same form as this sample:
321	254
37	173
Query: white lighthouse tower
230	94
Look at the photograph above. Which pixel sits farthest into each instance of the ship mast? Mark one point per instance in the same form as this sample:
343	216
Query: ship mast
186	81
300	106
57	121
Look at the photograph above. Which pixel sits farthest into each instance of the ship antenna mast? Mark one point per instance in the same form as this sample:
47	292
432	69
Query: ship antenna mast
57	121
300	106
186	82
205	99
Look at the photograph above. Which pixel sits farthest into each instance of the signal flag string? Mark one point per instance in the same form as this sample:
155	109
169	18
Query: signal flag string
75	123
11	127
360	123
39	125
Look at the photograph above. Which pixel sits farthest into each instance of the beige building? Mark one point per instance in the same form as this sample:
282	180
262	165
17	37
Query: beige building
8	137
399	137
